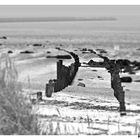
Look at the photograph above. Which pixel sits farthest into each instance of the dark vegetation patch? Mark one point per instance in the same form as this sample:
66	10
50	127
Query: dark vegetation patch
55	102
82	105
60	57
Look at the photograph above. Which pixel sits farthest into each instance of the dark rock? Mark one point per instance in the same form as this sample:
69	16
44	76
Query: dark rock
94	70
126	79
0	44
90	62
36	45
90	50
48	52
60	56
27	52
80	79
123	114
99	76
81	84
96	64
10	51
3	37
84	49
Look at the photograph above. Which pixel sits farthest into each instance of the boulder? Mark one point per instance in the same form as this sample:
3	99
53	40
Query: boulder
81	84
126	79
10	51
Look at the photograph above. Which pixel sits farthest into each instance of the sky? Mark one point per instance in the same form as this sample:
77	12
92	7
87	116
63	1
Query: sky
66	11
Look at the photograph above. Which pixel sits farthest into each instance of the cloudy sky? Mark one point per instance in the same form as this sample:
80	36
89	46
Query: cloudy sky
56	11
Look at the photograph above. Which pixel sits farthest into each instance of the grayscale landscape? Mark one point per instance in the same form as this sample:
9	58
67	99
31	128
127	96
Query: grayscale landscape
88	106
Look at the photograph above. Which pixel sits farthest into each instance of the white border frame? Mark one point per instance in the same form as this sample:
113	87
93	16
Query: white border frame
69	2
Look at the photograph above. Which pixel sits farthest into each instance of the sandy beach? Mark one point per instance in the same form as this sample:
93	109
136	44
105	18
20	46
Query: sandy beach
91	109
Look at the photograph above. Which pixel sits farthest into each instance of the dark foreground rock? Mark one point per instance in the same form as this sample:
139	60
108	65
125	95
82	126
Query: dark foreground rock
81	84
126	79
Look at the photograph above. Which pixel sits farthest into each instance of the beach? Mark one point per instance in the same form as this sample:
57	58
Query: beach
90	109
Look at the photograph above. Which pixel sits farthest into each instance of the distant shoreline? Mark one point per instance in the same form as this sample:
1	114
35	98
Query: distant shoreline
55	19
